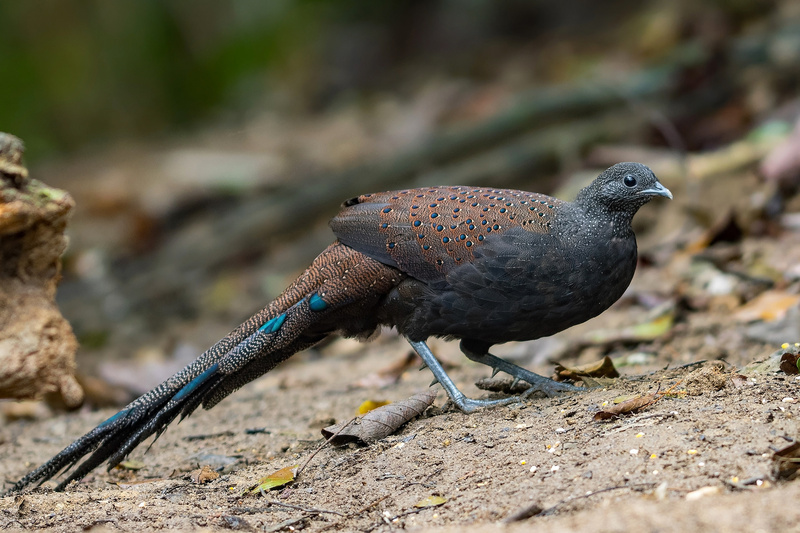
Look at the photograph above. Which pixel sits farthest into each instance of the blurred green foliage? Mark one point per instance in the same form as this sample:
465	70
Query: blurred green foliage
77	71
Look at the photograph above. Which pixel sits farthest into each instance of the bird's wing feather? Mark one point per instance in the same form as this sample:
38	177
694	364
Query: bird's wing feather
429	232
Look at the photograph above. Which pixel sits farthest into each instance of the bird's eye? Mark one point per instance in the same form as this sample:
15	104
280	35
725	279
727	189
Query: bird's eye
629	181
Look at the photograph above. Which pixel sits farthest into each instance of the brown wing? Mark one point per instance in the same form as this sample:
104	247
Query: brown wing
428	232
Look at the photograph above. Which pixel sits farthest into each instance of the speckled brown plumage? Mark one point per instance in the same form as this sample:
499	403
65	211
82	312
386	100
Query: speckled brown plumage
486	266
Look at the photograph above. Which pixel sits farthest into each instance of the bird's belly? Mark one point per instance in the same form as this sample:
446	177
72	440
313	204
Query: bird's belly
520	297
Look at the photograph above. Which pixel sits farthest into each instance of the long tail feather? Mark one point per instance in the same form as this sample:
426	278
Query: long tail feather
316	305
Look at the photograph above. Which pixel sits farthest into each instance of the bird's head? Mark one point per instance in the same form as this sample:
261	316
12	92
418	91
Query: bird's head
624	187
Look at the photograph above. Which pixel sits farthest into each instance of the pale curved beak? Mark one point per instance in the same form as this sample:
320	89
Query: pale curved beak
657	190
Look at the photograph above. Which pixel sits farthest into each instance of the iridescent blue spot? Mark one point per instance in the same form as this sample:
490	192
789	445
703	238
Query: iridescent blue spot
456	210
316	303
462	236
502	209
483	222
439	227
115	417
550	206
485	208
472	226
495	227
453	226
508	204
441	198
542	202
541	214
414	207
384	225
387	210
532	208
475	204
274	324
445	240
480	237
417	223
434	215
433	205
421	236
425	247
196	382
469	243
391	245
488	230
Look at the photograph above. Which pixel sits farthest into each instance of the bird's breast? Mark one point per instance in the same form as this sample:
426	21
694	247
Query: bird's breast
522	287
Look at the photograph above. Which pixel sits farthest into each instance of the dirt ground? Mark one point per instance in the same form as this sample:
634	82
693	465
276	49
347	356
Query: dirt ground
700	458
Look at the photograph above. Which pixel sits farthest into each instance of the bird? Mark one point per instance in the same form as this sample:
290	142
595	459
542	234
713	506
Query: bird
481	265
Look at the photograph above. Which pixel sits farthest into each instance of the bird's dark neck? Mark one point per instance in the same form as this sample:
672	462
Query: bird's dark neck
613	218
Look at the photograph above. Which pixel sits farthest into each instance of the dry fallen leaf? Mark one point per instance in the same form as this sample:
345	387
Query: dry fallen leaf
382	421
504	385
790	363
431	501
131	464
203	475
276	479
767	306
628	406
604	368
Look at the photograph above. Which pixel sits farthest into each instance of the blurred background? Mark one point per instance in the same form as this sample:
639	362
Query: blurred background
207	143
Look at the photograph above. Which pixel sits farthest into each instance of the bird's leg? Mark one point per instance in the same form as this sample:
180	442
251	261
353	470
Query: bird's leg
467	405
538	383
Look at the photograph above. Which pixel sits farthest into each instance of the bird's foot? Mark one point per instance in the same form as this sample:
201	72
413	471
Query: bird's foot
467	405
538	383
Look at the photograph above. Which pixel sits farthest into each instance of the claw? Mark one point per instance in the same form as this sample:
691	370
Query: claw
495	371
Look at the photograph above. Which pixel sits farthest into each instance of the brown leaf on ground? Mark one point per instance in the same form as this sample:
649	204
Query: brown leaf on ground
381	422
203	475
767	306
789	363
604	368
504	385
626	407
